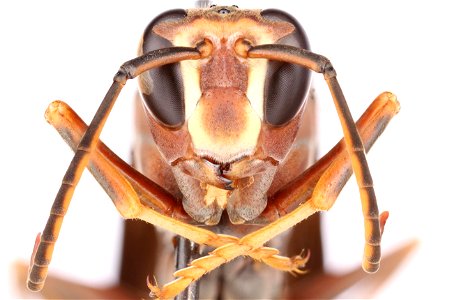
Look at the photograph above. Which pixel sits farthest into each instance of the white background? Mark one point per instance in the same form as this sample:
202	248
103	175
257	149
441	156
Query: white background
54	50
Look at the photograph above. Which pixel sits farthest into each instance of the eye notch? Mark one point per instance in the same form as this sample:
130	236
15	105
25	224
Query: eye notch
205	48
242	46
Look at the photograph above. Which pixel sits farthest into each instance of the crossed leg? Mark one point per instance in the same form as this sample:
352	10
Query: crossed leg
134	197
323	183
137	197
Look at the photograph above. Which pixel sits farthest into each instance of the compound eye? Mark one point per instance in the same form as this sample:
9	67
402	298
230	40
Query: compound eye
162	88
286	85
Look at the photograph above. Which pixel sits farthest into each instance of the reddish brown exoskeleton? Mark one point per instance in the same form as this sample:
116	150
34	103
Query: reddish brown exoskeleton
225	120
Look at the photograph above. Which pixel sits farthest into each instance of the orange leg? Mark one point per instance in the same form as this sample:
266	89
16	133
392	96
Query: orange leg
127	192
135	196
43	254
325	182
132	192
132	199
352	139
335	163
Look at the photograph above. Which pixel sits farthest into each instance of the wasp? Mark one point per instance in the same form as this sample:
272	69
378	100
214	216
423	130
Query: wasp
223	156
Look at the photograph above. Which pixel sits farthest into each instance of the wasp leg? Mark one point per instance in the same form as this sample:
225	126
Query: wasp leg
370	125
60	288
334	165
226	251
43	254
352	139
380	113
104	161
132	192
186	251
324	186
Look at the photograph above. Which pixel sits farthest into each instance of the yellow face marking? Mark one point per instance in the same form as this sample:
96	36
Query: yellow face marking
191	79
256	80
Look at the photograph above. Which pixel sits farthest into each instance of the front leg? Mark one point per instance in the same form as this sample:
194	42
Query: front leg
370	125
324	179
135	196
374	121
